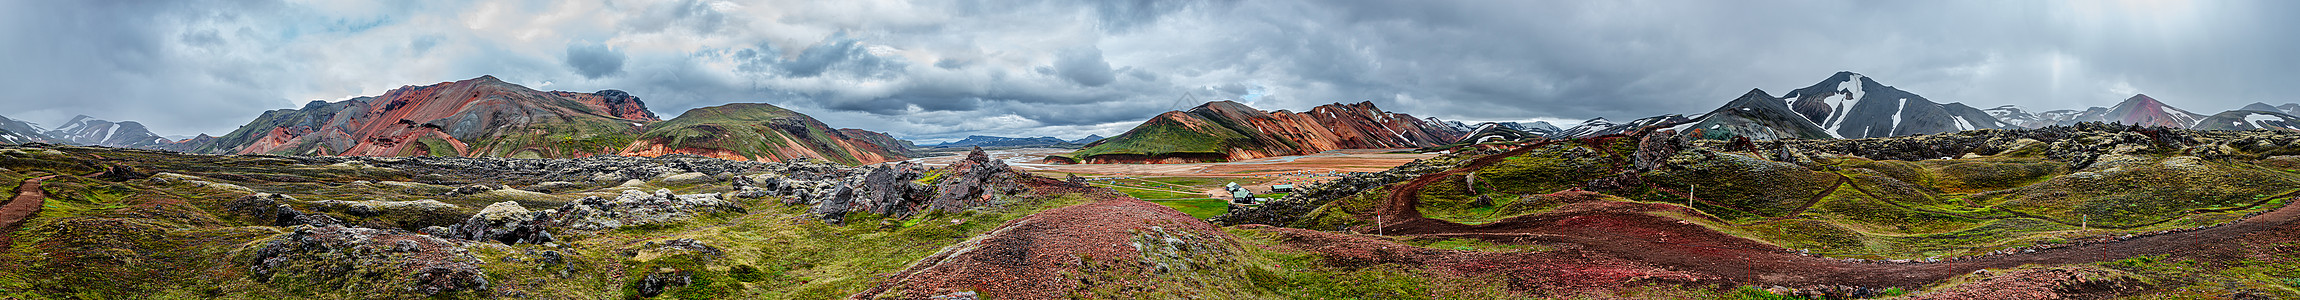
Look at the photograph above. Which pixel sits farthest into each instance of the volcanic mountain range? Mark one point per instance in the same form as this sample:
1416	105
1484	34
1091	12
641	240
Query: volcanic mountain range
486	116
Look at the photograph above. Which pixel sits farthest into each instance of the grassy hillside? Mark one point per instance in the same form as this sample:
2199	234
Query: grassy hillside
1170	134
757	131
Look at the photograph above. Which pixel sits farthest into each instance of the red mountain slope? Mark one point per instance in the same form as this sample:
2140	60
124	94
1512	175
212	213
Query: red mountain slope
1224	130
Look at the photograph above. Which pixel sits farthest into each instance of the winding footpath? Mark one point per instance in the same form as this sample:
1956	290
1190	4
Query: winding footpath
29	199
1630	231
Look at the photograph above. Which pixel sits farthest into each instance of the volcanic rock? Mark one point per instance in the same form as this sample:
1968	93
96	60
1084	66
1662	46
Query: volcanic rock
273	209
419	264
504	222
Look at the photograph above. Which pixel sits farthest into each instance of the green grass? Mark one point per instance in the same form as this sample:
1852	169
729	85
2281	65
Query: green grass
1198	208
1147	193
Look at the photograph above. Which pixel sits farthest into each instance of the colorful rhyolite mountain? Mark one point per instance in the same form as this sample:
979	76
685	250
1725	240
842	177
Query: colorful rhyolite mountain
2141	110
486	116
1228	131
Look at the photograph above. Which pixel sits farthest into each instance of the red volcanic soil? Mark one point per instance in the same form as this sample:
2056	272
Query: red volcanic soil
1032	257
27	203
1633	231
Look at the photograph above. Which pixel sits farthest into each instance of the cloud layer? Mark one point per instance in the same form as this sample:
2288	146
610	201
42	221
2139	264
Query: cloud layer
940	70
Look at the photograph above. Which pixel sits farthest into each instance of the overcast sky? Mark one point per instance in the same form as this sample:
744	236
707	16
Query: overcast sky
939	70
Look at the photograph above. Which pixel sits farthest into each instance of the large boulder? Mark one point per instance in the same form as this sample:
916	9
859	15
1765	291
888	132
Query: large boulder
504	222
273	209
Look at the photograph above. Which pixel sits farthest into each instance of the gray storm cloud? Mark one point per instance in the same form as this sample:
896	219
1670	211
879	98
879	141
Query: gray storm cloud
594	60
939	70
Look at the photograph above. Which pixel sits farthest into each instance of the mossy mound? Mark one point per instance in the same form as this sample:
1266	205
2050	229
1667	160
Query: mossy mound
2146	191
1744	186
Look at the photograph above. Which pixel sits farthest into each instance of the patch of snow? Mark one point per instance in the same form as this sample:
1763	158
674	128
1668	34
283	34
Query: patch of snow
1897	110
1689	125
1961	123
2260	120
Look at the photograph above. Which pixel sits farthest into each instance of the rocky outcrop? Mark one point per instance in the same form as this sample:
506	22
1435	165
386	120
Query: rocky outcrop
1228	131
974	182
886	190
632	208
273	210
890	190
337	256
505	222
613	103
760	132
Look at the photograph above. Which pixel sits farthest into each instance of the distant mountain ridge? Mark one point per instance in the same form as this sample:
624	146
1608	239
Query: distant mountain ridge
1230	131
85	130
996	141
486	116
1849	105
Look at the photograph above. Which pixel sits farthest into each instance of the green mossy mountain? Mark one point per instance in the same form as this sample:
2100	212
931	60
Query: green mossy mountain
759	131
1229	131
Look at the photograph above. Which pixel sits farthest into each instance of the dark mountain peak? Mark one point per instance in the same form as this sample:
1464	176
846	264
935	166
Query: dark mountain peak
2260	107
1756	92
1222	106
